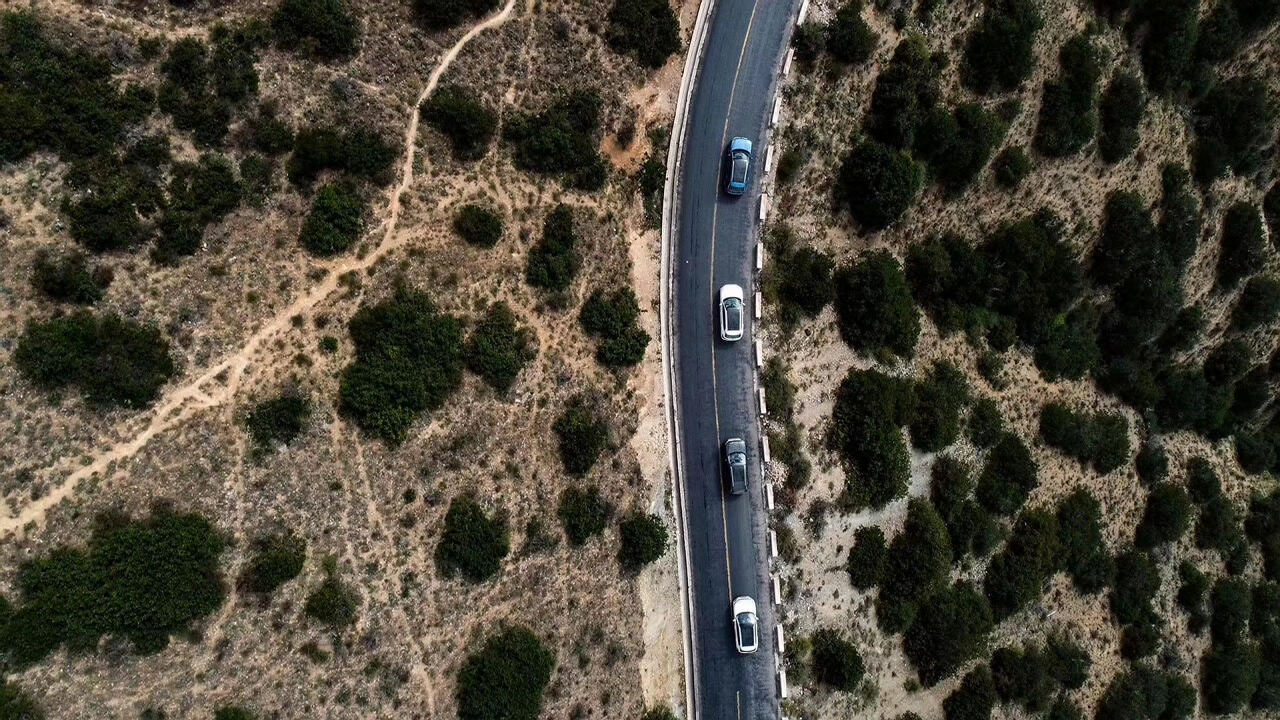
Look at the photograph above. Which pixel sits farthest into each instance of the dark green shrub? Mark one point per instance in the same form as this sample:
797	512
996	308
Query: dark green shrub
849	39
357	152
985	424
1271	208
643	540
950	483
974	699
613	320
553	262
917	564
444	14
1068	114
68	277
1232	604
1070	348
1255	454
1084	554
1191	596
1167	53
1166	518
16	704
333	603
138	579
257	180
336	221
1067	662
409	359
583	436
865	433
999	52
1101	439
1008	476
906	90
1143	693
279	420
941	396
946	277
233	712
1135	583
1259	304
1016	574
473	543
1179	229
504	680
269	134
459	115
560	140
1229	675
499	347
950	629
1011	166
1243	245
879	184
1202	482
1184	332
874	307
1152	464
958	144
199	194
809	41
836	661
779	393
113	361
1218	527
1034	275
186	94
478	225
805	286
1123	104
583	513
1220	34
1234	122
1022	677
318	28
867	557
276	560
648	30
1127	239
1064	709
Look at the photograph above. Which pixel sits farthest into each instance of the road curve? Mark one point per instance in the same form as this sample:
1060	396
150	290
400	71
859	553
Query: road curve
713	243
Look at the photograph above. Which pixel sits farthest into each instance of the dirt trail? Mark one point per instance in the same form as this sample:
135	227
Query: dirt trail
220	382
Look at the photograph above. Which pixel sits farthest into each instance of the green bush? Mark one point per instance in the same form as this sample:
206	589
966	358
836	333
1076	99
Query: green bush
276	560
499	348
269	134
553	262
409	359
870	409
1123	104
333	603
1011	166
233	712
1143	693
999	52
280	419
1101	439
1184	332
1244	247
950	483
1259	304
1166	518
917	565
879	184
612	319
1022	677
874	308
138	579
478	225
643	540
68	277
560	140
323	29
199	194
1202	482
1179	229
940	397
849	39
779	393
1229	675
1191	596
836	661
1068	108
583	436
186	94
1034	275
1127	239
1167	53
1232	604
583	513
473	543
1255	455
359	152
335	221
1152	464
1271	207
505	679
805	286
444	14
957	144
16	704
1016	574
459	115
1008	476
906	91
974	699
1135	583
950	628
1067	662
113	361
1070	348
648	30
985	425
1234	122
1084	554
1218	527
867	557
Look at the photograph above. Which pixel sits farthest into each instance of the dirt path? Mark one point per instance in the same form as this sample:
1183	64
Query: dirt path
220	382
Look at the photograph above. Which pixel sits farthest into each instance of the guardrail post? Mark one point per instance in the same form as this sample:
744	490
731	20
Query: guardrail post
773	544
768	158
804	10
764	447
759	304
786	64
763	410
782	683
759	256
777	111
781	646
777	591
764	208
768	495
759	353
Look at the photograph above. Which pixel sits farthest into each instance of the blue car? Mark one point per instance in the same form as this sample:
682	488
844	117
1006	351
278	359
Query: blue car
739	165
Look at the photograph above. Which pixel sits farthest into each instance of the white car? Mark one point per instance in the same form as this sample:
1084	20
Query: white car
732	313
745	633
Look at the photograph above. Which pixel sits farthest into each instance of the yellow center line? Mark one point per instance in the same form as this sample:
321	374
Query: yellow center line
715	400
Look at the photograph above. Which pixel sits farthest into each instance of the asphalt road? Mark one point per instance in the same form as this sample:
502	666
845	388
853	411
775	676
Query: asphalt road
715	238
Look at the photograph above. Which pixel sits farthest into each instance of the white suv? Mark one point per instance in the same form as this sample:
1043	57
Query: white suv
732	313
745	631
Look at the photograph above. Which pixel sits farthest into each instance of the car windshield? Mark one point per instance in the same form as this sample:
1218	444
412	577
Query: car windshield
739	167
737	458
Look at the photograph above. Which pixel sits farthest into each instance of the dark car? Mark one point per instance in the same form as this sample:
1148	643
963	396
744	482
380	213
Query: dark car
739	165
735	457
